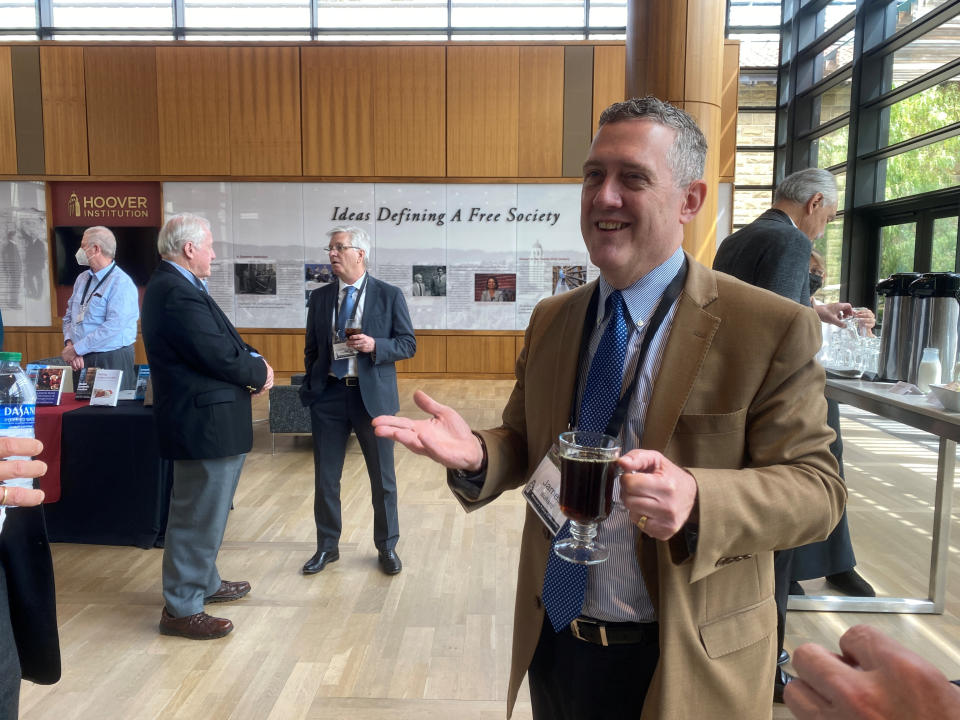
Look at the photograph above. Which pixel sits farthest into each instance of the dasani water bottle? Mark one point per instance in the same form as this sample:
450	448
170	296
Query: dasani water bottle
18	403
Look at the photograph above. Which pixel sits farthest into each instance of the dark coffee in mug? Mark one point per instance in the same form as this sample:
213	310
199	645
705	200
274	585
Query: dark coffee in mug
586	487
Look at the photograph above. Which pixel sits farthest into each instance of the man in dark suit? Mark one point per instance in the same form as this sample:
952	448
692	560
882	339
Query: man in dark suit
203	375
773	252
357	328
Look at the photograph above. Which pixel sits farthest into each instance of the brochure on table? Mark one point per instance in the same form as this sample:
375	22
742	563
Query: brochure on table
106	387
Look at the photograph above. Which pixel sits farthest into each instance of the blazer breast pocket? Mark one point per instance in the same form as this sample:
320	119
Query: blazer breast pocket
712	423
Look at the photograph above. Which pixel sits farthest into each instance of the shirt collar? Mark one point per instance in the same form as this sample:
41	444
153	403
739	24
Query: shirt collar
642	297
357	284
99	275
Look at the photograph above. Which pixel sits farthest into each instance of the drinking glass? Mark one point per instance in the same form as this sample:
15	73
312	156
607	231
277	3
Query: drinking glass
588	470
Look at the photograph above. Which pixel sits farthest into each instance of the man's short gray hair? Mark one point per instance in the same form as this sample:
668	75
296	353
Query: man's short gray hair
687	155
103	238
178	231
802	185
358	238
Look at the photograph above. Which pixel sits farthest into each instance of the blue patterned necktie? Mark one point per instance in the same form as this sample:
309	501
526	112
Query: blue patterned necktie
565	583
339	367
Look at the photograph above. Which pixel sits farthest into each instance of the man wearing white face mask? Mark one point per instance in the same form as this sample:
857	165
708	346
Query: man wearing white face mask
100	323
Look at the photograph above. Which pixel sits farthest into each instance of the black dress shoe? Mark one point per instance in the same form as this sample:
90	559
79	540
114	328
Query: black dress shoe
319	561
850	583
796	588
780	681
390	562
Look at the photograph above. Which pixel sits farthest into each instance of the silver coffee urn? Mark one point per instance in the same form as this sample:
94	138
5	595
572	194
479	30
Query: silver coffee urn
898	323
937	314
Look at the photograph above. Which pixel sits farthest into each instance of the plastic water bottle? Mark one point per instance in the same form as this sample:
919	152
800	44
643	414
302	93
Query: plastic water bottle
18	403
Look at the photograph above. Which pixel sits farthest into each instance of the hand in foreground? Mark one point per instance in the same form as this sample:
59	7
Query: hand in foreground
445	437
361	343
9	469
653	487
876	678
834	313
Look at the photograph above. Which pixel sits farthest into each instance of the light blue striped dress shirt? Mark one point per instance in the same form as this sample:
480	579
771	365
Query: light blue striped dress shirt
615	588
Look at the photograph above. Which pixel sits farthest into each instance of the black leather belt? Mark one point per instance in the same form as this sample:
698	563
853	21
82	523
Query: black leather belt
349	381
611	633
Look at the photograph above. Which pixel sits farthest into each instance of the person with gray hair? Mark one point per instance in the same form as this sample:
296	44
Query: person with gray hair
100	322
357	329
203	376
718	467
773	252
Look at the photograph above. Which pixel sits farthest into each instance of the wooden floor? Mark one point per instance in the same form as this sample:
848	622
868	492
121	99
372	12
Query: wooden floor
434	641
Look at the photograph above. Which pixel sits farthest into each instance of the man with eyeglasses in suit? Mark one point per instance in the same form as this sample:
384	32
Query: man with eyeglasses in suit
357	329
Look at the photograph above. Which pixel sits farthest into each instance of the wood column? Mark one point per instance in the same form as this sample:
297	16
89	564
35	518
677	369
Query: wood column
675	52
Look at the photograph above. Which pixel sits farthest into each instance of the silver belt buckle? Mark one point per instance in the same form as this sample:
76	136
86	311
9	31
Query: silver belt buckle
575	629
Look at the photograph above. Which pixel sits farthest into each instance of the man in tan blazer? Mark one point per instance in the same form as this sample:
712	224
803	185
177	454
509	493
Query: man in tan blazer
726	451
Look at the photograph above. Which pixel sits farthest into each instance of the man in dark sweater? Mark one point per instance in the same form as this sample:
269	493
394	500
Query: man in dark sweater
773	252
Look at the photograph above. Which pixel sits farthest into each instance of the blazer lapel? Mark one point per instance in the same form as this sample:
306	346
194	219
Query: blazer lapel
690	337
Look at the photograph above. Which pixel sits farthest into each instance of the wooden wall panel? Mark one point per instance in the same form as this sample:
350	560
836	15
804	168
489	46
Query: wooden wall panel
609	78
540	139
121	85
728	110
338	112
284	351
577	107
431	356
17	342
28	109
483	106
193	105
42	345
64	110
410	111
8	132
264	111
481	354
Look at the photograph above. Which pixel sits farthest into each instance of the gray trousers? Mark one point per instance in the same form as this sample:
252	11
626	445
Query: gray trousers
120	359
9	659
199	505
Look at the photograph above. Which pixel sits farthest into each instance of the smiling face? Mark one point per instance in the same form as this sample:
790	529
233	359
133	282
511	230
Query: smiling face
631	211
491	283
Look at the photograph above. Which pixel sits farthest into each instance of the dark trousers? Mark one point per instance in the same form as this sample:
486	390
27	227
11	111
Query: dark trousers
782	572
575	680
340	409
9	659
119	359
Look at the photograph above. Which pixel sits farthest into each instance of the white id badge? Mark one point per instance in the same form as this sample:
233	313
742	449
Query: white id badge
342	352
81	313
542	492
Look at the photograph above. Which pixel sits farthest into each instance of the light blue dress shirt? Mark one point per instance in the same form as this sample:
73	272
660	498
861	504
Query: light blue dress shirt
109	319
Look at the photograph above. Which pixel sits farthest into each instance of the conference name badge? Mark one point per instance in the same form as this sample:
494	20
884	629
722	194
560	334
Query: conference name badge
542	492
341	351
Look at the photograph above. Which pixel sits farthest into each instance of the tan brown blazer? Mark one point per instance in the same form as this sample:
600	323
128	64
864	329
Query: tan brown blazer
739	403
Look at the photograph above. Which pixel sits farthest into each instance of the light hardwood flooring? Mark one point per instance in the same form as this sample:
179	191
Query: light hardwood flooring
432	642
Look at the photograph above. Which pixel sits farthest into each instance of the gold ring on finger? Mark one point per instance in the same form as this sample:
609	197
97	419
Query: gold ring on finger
642	522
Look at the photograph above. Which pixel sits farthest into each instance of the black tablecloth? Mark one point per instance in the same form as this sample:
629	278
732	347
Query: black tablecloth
115	488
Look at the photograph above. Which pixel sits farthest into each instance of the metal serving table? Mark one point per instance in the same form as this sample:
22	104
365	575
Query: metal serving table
914	411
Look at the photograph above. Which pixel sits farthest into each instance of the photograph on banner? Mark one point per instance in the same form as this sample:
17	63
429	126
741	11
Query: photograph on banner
481	239
269	240
429	281
316	275
495	287
411	232
24	287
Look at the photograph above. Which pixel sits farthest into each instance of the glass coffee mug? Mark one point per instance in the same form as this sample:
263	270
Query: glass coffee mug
588	471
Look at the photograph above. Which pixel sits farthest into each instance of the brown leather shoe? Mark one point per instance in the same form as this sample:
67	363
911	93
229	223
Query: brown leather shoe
196	627
229	591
